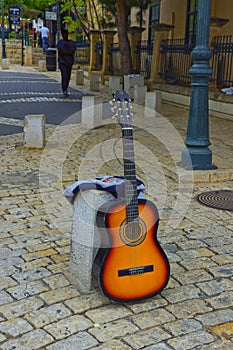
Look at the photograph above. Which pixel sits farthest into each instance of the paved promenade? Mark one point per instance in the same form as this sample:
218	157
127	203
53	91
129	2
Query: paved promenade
41	309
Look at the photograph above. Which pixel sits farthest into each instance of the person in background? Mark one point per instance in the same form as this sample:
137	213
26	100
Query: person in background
44	36
66	49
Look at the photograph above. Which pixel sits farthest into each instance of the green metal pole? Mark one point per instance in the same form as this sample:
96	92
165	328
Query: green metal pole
197	155
3	33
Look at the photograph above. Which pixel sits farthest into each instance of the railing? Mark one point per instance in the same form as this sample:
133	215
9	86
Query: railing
144	51
82	53
99	54
175	61
114	62
222	61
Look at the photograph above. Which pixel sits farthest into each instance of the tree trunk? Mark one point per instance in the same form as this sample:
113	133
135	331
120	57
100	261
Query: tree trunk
124	45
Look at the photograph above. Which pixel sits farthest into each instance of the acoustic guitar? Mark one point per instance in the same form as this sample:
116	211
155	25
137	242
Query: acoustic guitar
131	263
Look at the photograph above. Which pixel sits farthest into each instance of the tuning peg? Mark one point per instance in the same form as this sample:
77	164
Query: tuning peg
114	116
112	102
113	109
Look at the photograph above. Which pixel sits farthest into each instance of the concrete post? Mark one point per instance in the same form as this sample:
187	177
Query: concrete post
94	82
135	35
91	115
139	94
79	77
108	40
114	84
5	63
152	103
34	131
95	37
85	237
160	33
42	66
130	81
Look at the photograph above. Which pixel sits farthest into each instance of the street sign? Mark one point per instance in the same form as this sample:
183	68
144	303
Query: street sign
15	11
51	15
14	20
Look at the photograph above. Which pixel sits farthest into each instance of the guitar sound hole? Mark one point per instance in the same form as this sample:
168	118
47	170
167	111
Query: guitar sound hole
133	233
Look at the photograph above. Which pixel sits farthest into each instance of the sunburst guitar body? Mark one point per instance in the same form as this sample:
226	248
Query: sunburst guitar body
131	264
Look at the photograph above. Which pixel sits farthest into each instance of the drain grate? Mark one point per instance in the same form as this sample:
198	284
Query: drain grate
222	199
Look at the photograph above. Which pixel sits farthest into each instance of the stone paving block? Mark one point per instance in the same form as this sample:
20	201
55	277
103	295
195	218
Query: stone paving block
86	302
147	337
59	294
68	326
184	326
108	313
152	318
114	345
20	308
27	289
15	327
36	264
31	274
47	315
5	298
116	329
191	340
83	339
36	339
56	281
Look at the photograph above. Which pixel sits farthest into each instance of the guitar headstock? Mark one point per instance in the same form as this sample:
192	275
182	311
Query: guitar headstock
123	108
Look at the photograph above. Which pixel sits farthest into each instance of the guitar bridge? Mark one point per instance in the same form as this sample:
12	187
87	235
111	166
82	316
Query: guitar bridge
135	270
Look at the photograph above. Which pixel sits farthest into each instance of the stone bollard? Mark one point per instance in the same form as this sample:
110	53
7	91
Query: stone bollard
114	84
42	66
5	63
85	238
139	94
34	131
130	81
79	77
94	82
91	114
153	103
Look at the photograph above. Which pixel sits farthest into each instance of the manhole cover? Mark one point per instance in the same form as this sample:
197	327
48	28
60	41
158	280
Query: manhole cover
222	199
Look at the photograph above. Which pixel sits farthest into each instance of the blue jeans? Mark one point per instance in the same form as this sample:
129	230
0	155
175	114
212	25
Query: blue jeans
45	43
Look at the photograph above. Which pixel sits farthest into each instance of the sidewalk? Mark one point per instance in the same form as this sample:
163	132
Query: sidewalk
41	309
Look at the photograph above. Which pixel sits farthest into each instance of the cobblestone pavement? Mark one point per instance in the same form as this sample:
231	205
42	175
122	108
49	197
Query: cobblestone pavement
39	306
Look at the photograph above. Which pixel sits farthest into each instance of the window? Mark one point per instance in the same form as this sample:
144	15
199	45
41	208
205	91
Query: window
191	22
154	13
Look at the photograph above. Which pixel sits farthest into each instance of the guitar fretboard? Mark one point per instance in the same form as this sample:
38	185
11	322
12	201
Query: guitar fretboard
131	195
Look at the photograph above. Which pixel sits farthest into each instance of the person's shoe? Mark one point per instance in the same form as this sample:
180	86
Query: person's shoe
65	93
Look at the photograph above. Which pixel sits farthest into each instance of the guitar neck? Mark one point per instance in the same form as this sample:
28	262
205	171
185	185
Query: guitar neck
131	195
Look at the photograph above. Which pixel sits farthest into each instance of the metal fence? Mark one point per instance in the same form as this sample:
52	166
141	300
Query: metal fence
144	50
222	61
143	58
175	61
82	53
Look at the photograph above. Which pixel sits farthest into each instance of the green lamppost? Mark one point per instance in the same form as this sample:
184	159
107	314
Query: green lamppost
3	33
197	142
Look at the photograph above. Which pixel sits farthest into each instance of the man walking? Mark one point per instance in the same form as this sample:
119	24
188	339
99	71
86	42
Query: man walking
66	49
44	36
